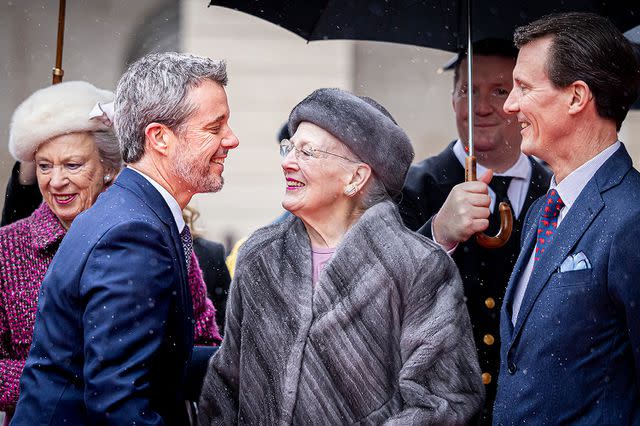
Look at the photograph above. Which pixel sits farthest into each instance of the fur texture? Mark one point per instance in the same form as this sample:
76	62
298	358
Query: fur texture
383	336
54	111
365	127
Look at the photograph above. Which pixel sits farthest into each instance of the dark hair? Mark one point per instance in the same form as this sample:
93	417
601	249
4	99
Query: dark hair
485	47
588	47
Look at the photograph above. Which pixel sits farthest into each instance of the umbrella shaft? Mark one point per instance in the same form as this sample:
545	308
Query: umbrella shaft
470	117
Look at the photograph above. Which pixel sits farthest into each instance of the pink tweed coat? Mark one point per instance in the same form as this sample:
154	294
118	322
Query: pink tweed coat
26	250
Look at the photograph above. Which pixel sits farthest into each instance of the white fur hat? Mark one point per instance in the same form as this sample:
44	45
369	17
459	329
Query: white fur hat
53	111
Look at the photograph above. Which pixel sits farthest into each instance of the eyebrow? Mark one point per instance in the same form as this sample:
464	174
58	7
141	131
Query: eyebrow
216	120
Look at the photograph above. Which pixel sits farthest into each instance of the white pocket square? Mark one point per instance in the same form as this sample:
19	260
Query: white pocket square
575	262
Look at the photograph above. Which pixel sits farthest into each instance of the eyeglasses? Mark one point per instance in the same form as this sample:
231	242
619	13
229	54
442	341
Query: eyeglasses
306	152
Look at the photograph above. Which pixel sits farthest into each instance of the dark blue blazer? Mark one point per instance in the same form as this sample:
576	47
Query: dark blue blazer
573	356
113	335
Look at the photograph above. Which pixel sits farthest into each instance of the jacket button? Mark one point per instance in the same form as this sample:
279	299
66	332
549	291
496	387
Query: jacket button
488	339
486	378
490	303
512	368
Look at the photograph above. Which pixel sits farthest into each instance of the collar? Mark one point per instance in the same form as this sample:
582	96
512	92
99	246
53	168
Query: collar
176	211
520	170
46	229
571	186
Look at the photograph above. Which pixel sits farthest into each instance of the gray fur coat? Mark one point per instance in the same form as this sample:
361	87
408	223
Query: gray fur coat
383	338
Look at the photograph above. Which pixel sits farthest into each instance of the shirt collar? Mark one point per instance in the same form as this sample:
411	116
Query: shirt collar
46	229
176	211
571	186
520	170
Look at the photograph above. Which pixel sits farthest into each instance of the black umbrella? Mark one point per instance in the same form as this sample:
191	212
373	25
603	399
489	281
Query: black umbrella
441	24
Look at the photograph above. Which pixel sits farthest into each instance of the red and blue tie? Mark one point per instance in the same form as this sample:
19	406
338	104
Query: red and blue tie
548	222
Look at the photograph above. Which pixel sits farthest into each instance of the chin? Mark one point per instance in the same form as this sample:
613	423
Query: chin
528	148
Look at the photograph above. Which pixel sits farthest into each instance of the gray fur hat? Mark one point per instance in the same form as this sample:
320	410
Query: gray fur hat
365	127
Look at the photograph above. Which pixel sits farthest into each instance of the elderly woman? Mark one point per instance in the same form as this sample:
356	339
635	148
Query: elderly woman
76	157
340	314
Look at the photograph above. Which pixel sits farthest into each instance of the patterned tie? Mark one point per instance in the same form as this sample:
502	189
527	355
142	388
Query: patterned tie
187	245
548	222
500	186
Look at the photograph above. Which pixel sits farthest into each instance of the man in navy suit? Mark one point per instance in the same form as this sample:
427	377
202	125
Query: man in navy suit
113	339
570	321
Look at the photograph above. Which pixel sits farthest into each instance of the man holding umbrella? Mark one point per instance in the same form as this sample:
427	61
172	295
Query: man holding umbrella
570	322
442	208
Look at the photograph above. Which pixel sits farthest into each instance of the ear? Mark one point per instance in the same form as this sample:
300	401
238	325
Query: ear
156	137
361	176
580	96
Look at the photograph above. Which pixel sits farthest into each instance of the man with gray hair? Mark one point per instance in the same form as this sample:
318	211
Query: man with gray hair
113	339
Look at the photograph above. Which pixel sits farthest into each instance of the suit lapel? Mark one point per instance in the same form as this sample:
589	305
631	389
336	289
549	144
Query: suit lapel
150	196
582	213
528	243
587	206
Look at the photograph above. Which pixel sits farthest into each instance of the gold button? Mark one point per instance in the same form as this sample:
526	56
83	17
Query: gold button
488	339
486	378
490	303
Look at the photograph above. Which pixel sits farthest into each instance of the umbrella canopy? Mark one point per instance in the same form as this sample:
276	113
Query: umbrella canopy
439	24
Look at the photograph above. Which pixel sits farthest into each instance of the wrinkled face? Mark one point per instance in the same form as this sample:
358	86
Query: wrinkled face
493	128
536	103
202	146
70	174
315	183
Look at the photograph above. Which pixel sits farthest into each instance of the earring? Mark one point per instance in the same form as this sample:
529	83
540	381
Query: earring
350	190
107	178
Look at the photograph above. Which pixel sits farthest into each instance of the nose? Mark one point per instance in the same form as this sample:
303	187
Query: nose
482	105
230	141
58	177
511	104
289	161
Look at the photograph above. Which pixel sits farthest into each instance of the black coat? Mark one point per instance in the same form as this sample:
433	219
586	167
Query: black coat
485	273
20	200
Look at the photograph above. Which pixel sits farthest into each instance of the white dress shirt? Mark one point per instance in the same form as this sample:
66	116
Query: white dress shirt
176	211
569	190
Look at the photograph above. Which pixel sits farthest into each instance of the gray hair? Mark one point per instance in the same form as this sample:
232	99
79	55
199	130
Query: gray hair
155	89
109	150
373	193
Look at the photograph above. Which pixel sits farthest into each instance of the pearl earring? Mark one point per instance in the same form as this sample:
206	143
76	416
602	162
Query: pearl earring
107	178
350	190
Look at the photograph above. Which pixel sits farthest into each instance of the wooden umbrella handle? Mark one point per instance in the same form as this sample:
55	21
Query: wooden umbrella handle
506	217
58	72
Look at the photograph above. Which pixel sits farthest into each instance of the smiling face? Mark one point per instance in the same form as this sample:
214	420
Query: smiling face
314	185
70	174
495	133
197	158
541	108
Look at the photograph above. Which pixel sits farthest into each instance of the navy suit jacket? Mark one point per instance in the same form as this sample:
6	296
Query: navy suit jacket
113	334
574	353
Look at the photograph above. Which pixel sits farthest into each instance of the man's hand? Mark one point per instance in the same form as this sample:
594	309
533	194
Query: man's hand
464	212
